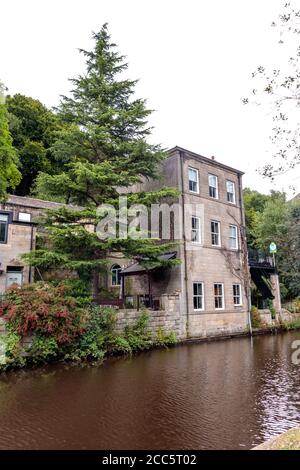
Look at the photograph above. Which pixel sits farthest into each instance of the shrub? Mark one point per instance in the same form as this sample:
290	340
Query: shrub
165	339
43	349
272	309
55	325
255	317
43	309
100	322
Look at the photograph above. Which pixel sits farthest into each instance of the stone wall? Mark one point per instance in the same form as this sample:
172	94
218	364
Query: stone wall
217	324
169	319
199	325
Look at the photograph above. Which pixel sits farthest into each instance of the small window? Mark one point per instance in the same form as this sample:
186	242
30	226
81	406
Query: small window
14	277
213	186
24	217
215	233
193	180
116	275
196	234
219	296
233	237
3	228
230	187
198	295
237	296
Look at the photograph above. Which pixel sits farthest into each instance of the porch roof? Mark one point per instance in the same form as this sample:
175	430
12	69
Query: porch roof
137	268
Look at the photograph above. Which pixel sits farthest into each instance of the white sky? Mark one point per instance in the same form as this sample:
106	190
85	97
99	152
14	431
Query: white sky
194	59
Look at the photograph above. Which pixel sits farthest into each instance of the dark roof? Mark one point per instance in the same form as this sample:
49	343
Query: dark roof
210	161
35	203
136	268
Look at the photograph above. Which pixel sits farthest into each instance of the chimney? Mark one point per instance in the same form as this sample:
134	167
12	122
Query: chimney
213	158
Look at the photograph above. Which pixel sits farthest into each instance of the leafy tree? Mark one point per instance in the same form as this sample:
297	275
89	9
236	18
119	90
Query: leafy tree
106	144
272	224
255	203
9	173
33	128
290	263
281	87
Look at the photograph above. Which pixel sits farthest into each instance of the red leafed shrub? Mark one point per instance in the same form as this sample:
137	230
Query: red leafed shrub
46	309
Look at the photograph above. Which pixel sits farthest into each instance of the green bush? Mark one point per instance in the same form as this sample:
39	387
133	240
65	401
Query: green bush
63	327
165	339
272	309
43	349
255	317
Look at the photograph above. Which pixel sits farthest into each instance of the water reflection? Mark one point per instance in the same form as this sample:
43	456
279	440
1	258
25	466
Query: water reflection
218	395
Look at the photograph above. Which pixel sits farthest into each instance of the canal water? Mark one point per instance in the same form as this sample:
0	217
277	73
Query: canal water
230	394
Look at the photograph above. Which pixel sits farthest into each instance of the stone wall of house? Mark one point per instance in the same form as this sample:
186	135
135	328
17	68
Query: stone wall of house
199	325
217	324
169	319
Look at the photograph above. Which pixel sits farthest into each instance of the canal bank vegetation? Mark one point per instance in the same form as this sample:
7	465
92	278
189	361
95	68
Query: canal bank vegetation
47	322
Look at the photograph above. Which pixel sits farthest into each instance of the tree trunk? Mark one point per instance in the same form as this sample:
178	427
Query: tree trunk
95	284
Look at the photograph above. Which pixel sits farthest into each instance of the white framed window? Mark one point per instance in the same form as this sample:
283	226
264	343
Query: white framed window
213	186
219	296
196	229
24	217
233	237
115	275
215	233
230	188
237	294
198	295
193	180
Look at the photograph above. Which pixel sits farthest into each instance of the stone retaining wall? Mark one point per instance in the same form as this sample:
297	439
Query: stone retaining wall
170	319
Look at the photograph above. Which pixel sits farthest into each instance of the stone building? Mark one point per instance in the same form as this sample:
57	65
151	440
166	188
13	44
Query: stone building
208	293
18	236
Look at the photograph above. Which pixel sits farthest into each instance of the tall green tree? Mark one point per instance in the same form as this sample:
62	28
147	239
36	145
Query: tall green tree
33	128
9	173
106	144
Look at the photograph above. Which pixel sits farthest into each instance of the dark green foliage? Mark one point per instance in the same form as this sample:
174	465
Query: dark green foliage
34	130
255	318
89	332
106	143
271	218
9	173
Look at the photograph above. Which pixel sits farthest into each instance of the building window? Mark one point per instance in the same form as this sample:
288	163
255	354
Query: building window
24	217
193	180
3	228
14	276
219	296
215	233
233	237
198	295
116	275
230	187
237	296
213	186
196	234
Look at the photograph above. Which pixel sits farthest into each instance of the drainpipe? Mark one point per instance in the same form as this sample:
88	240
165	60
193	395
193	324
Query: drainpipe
246	254
184	242
31	248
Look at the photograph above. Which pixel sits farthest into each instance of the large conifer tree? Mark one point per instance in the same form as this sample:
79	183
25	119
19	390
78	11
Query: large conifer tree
106	145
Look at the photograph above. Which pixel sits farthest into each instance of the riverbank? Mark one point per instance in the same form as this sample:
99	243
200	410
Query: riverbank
289	440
